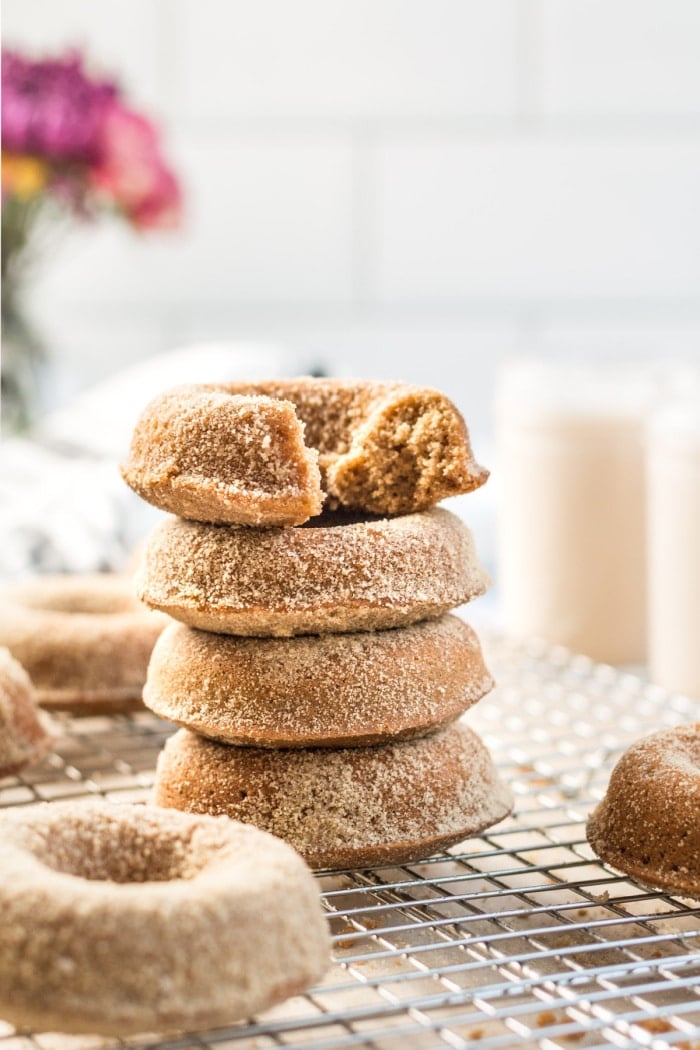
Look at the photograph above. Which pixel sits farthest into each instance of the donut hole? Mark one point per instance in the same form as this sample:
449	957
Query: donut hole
335	519
122	852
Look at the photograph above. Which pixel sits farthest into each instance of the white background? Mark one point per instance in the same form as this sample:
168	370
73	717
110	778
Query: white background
403	188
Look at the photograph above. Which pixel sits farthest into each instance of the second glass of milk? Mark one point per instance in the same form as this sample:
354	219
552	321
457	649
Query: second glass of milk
572	516
673	461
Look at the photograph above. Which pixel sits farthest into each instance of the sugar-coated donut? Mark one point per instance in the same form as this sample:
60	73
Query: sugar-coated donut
212	456
222	453
334	690
26	733
118	919
84	640
312	580
648	823
347	807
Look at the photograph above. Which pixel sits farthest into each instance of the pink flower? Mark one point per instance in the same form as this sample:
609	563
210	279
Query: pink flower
131	170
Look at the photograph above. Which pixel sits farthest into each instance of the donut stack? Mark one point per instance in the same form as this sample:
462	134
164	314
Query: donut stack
315	667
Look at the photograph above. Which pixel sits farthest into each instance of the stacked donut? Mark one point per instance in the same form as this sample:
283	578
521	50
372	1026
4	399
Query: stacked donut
315	666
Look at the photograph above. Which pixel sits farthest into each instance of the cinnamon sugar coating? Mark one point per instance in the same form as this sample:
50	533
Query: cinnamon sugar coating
119	919
335	690
26	733
648	824
210	456
347	807
84	639
334	578
219	452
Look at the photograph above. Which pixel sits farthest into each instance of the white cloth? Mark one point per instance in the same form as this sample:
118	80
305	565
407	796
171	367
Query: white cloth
63	504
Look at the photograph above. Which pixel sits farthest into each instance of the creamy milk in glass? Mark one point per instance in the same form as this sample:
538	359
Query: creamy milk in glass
673	460
572	515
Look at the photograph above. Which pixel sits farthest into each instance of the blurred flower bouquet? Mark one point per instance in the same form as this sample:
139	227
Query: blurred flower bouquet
71	149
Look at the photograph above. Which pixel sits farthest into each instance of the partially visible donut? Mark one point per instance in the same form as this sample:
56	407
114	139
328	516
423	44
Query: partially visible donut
334	690
312	580
347	807
211	456
26	733
120	919
648	823
84	640
223	453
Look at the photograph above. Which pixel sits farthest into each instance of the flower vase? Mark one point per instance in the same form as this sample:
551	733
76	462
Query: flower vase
22	366
71	150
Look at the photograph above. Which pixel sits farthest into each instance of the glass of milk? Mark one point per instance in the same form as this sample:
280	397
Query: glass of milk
673	507
572	560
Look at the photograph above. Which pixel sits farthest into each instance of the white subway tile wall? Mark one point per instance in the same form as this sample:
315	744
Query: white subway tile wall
530	219
347	59
406	188
268	221
619	57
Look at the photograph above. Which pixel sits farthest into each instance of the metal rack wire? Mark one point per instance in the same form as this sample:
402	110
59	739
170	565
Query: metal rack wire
519	937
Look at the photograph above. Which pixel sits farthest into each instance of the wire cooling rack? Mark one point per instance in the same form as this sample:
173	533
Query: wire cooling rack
518	937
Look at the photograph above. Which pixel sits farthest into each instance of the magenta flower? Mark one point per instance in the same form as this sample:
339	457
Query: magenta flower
51	109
